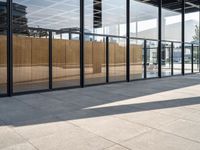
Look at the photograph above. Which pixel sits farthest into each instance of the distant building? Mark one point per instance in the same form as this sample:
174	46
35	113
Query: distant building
19	18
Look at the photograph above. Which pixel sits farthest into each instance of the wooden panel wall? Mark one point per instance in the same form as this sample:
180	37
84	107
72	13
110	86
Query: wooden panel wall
136	60
3	61
31	56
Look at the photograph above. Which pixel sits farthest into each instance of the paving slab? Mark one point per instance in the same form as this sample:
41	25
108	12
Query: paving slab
111	128
157	140
184	128
141	115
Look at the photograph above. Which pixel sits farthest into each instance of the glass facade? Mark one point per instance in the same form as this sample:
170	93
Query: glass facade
191	22
95	60
171	20
52	44
32	23
105	17
117	59
196	58
65	60
188	58
144	25
152	59
136	59
3	47
177	58
166	59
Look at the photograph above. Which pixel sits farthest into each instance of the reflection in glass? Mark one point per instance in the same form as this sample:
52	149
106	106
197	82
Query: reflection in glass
95	60
3	47
117	59
144	19
105	17
30	62
177	59
32	22
136	59
66	60
171	21
166	59
152	59
196	58
188	58
192	21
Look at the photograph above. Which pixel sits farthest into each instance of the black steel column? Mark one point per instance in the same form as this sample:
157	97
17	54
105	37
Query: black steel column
50	60
128	40
172	58
82	43
198	53
9	49
183	37
107	59
159	39
145	59
192	59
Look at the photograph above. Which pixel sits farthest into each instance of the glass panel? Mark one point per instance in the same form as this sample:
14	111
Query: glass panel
166	58
188	58
3	47
144	19
196	58
30	62
105	17
95	60
192	21
136	59
32	21
177	59
171	20
117	59
152	59
66	60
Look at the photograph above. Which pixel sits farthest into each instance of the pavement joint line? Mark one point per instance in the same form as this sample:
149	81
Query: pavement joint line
160	130
154	128
188	139
25	139
115	143
118	145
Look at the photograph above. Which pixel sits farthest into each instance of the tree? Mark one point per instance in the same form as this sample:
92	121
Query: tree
196	36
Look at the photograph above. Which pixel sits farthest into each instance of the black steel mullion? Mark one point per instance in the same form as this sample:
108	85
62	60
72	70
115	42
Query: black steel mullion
172	58
107	59
159	39
198	53
9	49
192	59
82	43
128	40
183	37
145	59
50	60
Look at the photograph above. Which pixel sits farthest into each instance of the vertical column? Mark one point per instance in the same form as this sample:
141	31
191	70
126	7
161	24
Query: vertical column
159	38
172	58
82	43
107	59
192	59
9	49
198	53
50	60
145	59
128	40
183	37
